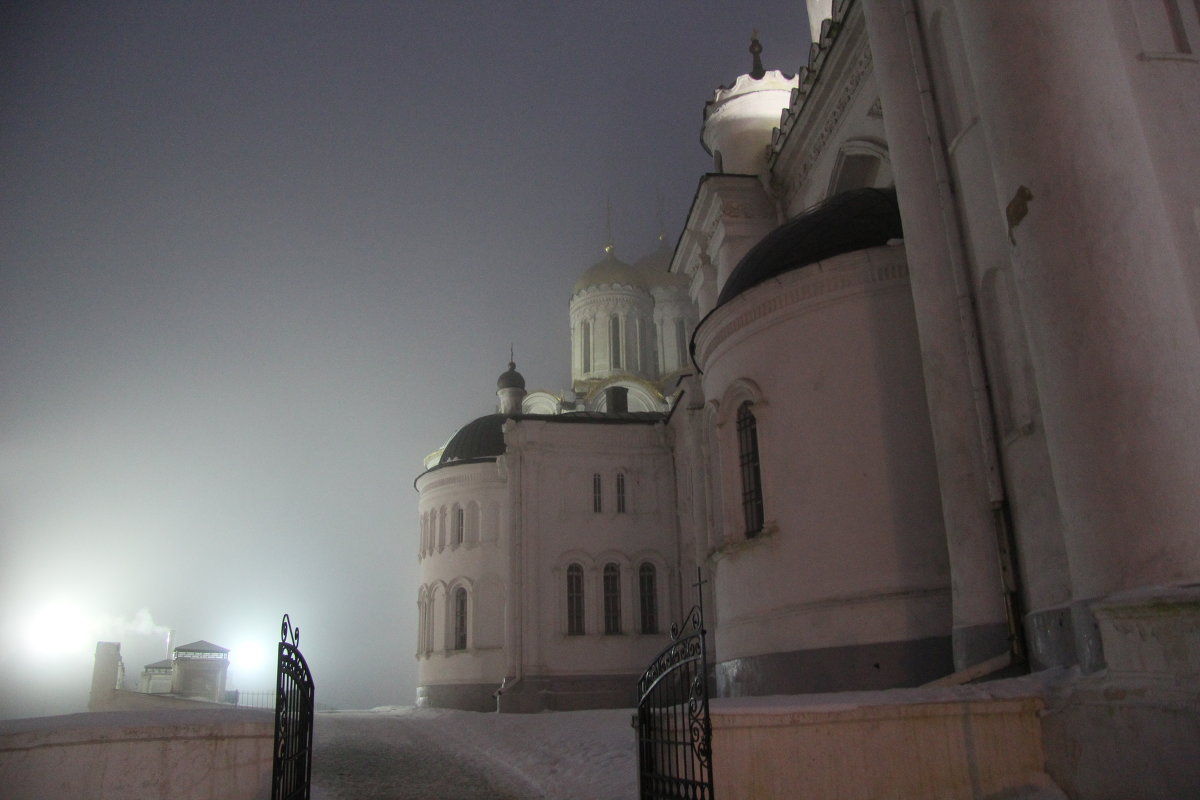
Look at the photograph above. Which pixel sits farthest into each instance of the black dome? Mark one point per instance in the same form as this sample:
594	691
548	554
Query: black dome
511	379
853	220
480	438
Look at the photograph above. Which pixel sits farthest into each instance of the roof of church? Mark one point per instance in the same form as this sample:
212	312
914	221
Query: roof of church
166	663
846	222
483	438
609	271
479	438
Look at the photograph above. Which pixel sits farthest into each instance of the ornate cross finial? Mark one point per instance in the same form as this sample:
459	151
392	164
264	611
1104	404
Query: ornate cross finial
662	226
608	236
512	361
757	72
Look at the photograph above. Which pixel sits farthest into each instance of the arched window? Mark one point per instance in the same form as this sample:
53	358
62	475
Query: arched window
422	620
633	344
620	492
752	499
575	600
612	598
614	342
597	493
460	618
459	526
648	595
586	338
681	343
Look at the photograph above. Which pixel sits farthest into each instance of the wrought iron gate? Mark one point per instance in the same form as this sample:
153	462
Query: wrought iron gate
673	727
294	703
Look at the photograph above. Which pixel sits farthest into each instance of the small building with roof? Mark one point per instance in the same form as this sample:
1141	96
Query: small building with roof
196	671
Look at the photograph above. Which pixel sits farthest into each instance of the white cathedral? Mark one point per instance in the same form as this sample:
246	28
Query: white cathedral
917	390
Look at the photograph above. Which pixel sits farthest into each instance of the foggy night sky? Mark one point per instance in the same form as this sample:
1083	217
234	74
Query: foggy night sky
258	259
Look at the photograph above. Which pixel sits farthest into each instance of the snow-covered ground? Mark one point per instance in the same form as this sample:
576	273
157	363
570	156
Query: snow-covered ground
394	753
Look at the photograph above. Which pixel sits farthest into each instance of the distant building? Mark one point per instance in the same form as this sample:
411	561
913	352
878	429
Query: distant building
196	671
158	677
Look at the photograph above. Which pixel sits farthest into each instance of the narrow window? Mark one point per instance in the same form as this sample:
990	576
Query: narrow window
633	338
421	601
614	341
612	598
680	344
752	500
652	349
597	493
429	608
587	347
620	492
575	600
648	595
459	526
460	618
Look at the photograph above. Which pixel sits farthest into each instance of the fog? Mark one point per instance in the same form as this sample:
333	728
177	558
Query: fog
258	259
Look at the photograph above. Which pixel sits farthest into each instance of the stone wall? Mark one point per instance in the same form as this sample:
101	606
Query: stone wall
965	742
205	754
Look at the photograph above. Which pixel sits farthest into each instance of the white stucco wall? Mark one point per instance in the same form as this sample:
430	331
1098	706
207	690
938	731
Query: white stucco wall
556	462
852	551
479	563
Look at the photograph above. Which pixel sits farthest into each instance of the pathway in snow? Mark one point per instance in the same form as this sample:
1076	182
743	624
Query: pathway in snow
401	753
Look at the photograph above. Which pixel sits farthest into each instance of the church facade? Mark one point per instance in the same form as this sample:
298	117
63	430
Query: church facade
916	390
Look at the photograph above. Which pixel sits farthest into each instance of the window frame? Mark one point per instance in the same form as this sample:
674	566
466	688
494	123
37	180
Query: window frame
614	342
460	609
576	606
648	598
611	585
749	469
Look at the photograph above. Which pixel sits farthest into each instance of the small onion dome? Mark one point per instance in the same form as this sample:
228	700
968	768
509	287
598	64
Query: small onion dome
853	220
655	270
609	271
511	379
480	438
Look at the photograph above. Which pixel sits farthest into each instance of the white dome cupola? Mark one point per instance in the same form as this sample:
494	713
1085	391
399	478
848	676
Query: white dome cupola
738	121
612	318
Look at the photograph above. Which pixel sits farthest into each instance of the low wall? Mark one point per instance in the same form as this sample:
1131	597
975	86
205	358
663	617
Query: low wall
204	754
945	743
126	700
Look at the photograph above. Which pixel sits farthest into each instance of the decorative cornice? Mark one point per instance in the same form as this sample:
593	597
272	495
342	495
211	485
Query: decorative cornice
837	68
474	476
833	117
808	286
